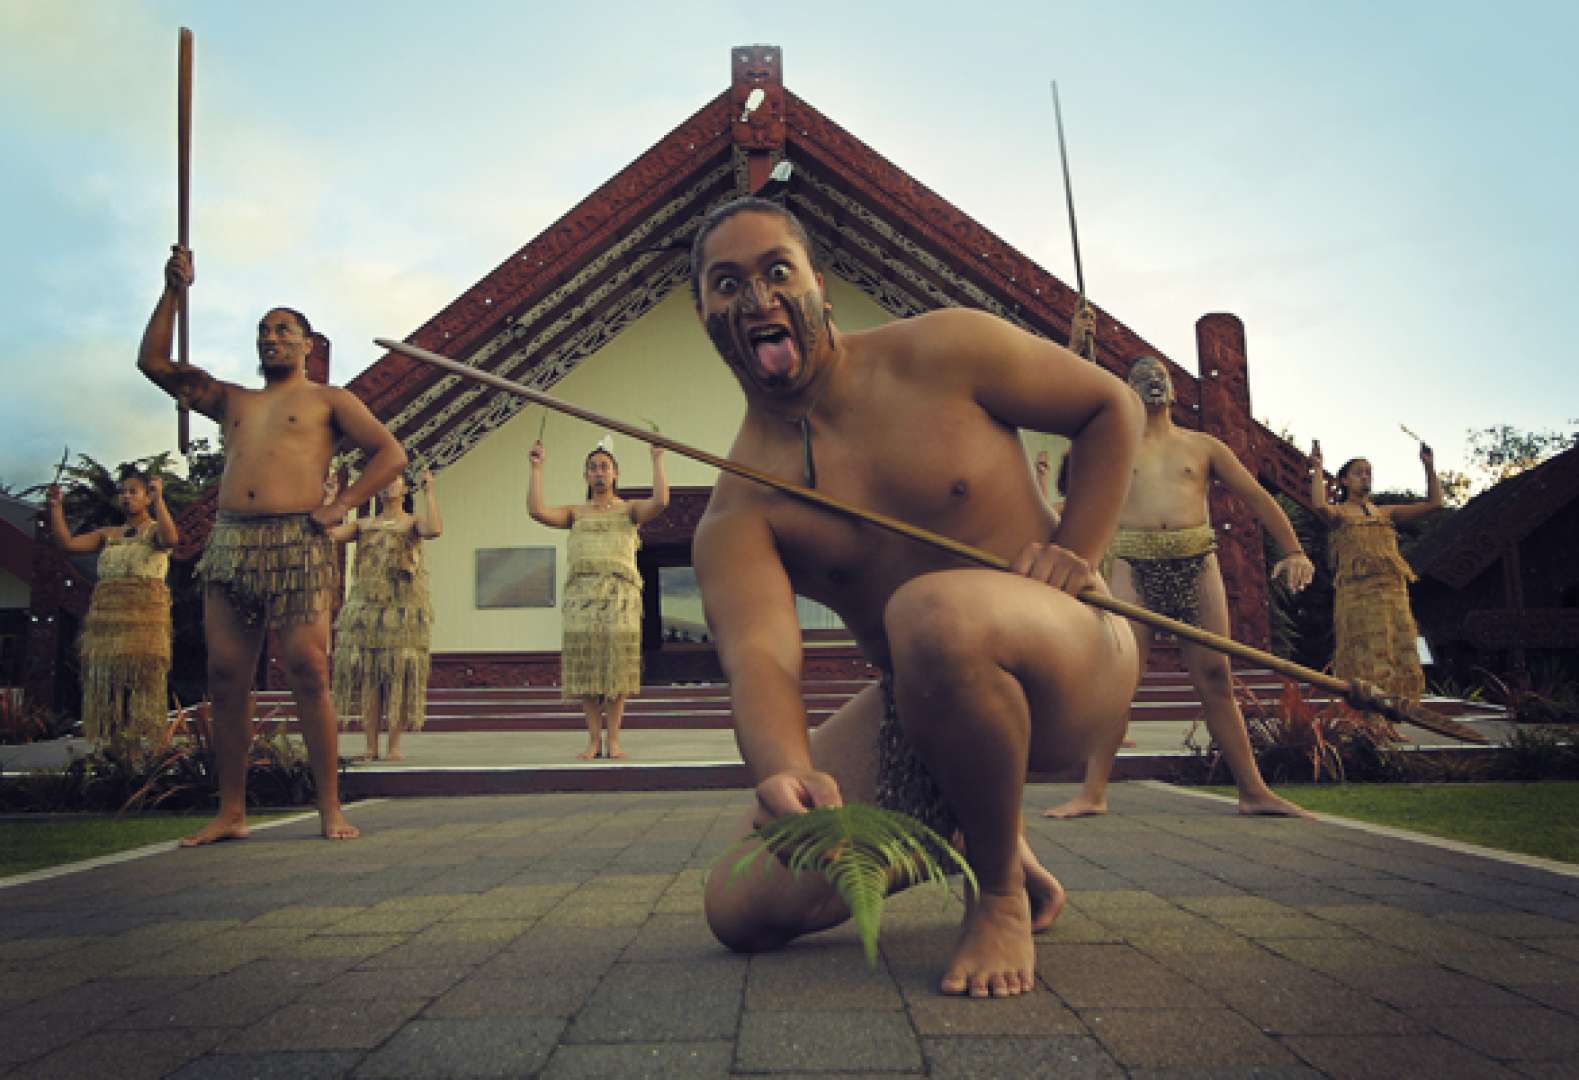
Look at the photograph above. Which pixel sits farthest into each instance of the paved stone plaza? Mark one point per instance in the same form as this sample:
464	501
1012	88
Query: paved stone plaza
560	936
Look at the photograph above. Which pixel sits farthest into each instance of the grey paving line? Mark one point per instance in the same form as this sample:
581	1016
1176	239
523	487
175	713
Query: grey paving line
146	850
1461	847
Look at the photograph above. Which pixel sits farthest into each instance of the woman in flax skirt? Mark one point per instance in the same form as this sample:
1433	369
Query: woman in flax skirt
1374	630
601	612
384	631
125	644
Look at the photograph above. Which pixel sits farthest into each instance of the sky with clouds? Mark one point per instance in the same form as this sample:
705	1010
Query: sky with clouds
1383	192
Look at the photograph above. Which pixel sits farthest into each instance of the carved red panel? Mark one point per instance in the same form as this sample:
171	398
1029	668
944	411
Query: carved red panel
757	67
1225	413
677	524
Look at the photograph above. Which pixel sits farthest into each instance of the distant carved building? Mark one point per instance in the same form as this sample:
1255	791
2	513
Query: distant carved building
1499	580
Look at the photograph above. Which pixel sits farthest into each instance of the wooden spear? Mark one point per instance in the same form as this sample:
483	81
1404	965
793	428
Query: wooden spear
183	173
1359	694
1088	346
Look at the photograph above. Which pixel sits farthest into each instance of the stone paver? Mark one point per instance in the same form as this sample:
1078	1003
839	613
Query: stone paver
562	936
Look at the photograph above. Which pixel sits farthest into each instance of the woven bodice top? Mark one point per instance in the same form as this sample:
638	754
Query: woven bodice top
604	542
388	559
133	556
1365	547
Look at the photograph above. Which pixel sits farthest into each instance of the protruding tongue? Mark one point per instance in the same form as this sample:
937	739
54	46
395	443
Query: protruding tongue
776	358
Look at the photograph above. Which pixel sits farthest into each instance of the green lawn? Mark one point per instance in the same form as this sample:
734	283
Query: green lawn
1532	819
32	843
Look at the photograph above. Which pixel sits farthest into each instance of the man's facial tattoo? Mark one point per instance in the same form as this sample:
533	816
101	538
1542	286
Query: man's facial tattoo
1145	374
806	314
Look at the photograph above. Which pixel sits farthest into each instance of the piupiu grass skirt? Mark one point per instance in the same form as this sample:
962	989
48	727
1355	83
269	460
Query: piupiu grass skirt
1376	634
1375	631
601	615
276	570
384	651
125	653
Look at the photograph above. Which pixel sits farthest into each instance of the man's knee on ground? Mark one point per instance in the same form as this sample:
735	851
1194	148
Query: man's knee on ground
734	919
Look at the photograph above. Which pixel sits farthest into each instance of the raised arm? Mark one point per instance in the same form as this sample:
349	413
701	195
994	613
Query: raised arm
644	510
430	526
85	544
1318	485
1295	568
750	609
165	532
192	386
555	517
385	456
1433	492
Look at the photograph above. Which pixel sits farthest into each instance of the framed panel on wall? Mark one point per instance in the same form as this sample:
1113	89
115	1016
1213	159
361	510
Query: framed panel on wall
515	577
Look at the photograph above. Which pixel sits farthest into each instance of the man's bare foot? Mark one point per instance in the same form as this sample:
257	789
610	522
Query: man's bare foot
223	827
615	751
593	751
1080	806
1047	896
395	755
335	826
994	956
1127	743
1269	804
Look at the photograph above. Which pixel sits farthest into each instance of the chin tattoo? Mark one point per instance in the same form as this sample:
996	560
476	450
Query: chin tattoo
723	328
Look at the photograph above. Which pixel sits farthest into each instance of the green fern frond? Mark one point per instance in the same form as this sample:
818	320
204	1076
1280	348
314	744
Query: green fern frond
861	850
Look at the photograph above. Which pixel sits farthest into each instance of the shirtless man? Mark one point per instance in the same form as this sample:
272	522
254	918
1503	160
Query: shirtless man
269	565
1164	560
986	673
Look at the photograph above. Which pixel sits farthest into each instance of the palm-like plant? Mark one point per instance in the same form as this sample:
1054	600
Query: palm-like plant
863	851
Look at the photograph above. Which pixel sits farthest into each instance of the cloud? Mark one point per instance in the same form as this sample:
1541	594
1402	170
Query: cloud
84	392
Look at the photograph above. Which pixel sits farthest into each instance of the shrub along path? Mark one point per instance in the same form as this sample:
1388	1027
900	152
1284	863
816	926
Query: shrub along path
560	935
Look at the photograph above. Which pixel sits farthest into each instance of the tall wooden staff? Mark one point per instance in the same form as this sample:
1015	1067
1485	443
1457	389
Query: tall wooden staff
183	172
1359	694
1088	346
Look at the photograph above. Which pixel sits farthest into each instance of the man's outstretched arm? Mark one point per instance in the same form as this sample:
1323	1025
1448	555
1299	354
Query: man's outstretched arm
191	386
750	608
1295	566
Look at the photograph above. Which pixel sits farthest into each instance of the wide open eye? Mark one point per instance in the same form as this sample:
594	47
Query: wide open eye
725	284
780	272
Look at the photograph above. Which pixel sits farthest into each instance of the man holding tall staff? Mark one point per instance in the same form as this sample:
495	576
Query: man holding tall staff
269	566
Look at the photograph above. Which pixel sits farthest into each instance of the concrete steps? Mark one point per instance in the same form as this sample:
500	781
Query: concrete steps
1162	696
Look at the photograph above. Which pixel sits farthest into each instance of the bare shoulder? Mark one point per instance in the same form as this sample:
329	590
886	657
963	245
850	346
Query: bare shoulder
731	500
945	330
240	397
336	396
1208	446
945	340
